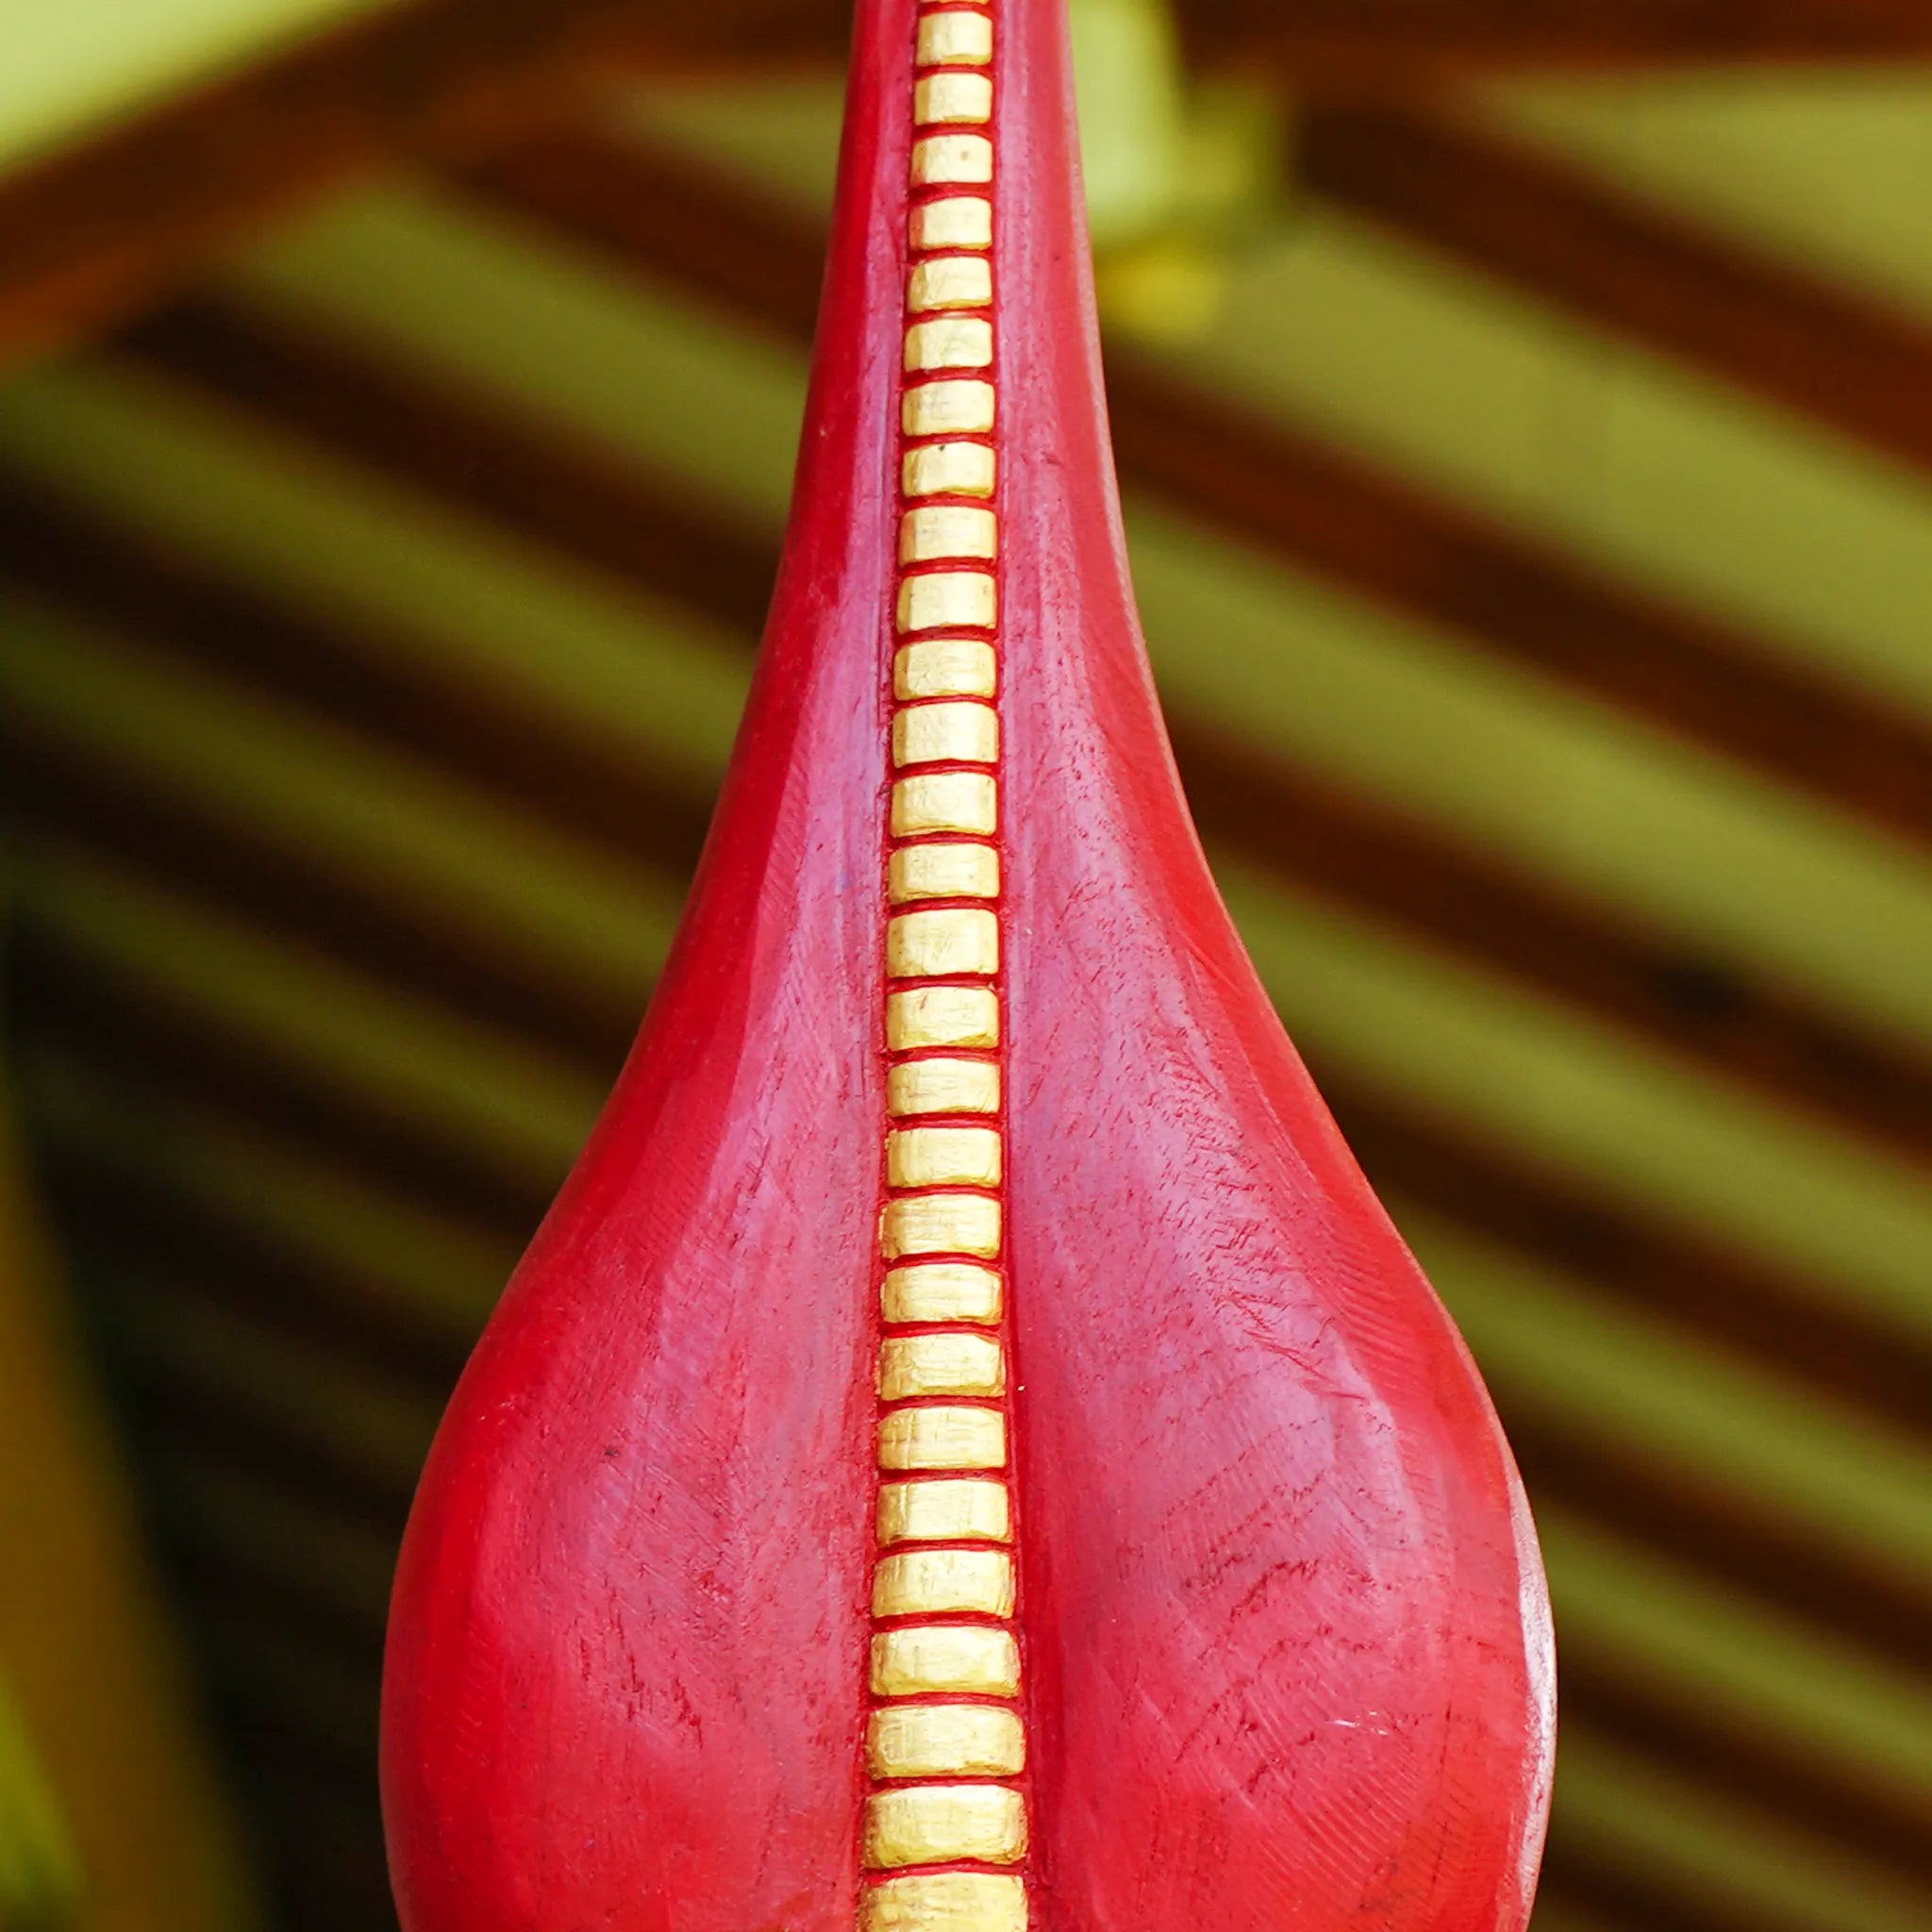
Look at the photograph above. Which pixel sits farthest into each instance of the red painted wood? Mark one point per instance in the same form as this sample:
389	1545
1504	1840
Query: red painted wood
1285	1638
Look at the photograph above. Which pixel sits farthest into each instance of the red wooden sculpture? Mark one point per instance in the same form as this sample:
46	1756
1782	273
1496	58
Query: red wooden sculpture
966	1447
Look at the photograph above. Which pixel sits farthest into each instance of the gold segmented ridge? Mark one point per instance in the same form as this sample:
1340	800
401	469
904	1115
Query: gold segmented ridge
948	533
939	1582
943	1436
943	1291
945	1773
948	600
933	1824
949	469
954	40
948	1085
951	341
915	1365
932	1016
943	159
944	1509
910	1741
956	733
954	221
956	407
933	1660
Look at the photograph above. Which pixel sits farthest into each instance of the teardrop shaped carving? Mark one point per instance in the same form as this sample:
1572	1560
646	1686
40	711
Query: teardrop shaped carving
966	1448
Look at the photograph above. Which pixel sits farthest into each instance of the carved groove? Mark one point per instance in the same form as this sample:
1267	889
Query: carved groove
944	1777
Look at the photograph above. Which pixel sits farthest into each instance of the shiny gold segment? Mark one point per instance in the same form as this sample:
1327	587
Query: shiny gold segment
952	159
944	1539
969	1512
963	802
950	1364
942	1158
949	469
944	1901
948	533
945	943
948	408
950	281
918	1583
943	871
952	100
939	1224
933	1824
955	221
927	1016
959	734
948	600
915	1087
954	40
945	668
945	1741
941	1291
925	1660
943	1438
953	342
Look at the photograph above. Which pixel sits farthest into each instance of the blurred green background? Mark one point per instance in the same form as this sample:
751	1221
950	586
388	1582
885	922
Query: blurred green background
1529	462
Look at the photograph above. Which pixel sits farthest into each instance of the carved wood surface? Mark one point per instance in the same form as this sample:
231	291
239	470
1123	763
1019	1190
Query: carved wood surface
180	1060
1141	1334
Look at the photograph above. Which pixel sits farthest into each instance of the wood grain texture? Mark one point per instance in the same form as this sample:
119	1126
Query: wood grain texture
626	1660
553	489
594	789
160	1241
1796	1328
1284	1633
645	210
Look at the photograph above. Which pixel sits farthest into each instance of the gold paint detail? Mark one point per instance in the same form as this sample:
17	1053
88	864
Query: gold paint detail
914	1224
963	407
950	281
943	871
952	100
945	1741
930	1659
943	1437
967	1511
945	1902
948	600
942	1767
952	341
963	802
943	160
945	668
949	734
916	1087
944	943
943	1291
933	1824
928	1016
954	221
921	1582
951	1364
948	533
942	1158
949	469
954	40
